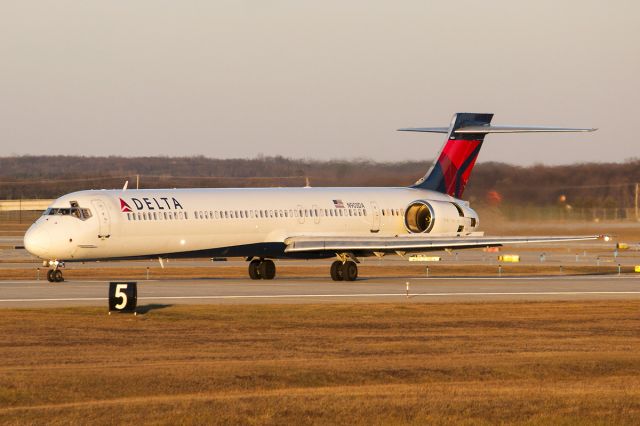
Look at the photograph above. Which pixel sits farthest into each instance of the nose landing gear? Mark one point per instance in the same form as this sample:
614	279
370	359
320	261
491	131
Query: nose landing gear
54	275
261	269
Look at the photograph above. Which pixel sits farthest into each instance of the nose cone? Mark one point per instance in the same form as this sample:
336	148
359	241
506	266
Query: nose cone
37	241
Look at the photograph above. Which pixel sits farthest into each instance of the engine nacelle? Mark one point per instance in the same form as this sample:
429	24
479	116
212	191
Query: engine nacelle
439	217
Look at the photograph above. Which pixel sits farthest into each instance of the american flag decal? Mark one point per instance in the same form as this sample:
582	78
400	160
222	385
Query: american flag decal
338	204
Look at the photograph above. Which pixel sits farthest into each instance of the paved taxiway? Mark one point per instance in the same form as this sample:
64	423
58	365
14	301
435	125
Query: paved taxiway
300	290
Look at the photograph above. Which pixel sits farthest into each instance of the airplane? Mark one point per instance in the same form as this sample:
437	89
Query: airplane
262	224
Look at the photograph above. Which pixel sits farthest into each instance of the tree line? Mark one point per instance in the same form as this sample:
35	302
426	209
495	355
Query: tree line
582	185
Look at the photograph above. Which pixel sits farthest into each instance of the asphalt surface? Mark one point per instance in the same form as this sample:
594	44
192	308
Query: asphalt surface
153	294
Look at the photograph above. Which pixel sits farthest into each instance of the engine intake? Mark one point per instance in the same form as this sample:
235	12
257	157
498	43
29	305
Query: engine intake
419	217
439	217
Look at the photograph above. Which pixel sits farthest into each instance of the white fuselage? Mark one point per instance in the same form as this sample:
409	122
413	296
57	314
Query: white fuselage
208	222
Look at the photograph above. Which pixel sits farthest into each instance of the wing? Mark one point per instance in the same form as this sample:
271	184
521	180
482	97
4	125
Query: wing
415	243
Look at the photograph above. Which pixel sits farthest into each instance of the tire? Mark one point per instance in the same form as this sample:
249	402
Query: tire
254	269
267	269
50	277
57	276
350	271
336	271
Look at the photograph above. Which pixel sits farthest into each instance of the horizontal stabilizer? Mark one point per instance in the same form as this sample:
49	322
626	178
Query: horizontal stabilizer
517	129
444	130
494	129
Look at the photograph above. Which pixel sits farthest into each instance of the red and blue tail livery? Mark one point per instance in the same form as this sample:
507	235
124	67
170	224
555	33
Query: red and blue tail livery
451	170
450	173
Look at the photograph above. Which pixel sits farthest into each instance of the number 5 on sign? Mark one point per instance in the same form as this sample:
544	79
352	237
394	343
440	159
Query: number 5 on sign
123	297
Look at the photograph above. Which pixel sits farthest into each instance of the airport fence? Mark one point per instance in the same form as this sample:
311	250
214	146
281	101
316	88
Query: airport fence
581	214
19	211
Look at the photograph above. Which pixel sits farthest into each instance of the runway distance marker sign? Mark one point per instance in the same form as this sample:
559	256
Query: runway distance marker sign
123	296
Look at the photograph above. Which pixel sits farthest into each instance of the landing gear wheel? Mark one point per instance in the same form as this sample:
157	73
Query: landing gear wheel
267	270
55	276
349	271
336	271
254	269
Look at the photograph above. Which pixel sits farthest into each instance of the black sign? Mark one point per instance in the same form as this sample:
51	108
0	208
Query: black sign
123	296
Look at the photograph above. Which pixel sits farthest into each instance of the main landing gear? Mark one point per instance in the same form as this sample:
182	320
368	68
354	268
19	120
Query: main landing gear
54	275
261	269
344	271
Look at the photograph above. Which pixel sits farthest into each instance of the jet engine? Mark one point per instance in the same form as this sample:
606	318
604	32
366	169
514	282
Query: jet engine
439	217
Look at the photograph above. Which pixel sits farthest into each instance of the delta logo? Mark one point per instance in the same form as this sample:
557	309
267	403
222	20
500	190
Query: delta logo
124	207
151	203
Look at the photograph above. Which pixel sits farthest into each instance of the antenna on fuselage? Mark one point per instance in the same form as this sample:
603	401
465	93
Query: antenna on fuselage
126	184
307	183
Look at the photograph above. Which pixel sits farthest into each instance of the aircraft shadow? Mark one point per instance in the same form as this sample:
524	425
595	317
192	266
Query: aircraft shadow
151	307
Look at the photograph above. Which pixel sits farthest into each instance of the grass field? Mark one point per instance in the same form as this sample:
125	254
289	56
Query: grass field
483	363
222	271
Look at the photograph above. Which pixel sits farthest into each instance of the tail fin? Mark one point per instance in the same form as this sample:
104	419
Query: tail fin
450	172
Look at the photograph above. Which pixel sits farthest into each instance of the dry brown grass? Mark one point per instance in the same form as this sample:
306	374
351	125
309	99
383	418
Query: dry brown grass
315	271
485	363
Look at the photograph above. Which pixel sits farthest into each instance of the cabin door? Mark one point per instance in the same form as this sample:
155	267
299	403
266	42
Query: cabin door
375	217
104	221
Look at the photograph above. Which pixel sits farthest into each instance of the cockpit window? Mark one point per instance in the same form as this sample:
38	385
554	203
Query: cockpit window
77	212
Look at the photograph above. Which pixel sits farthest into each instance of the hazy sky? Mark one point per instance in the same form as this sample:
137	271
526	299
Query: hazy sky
324	79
